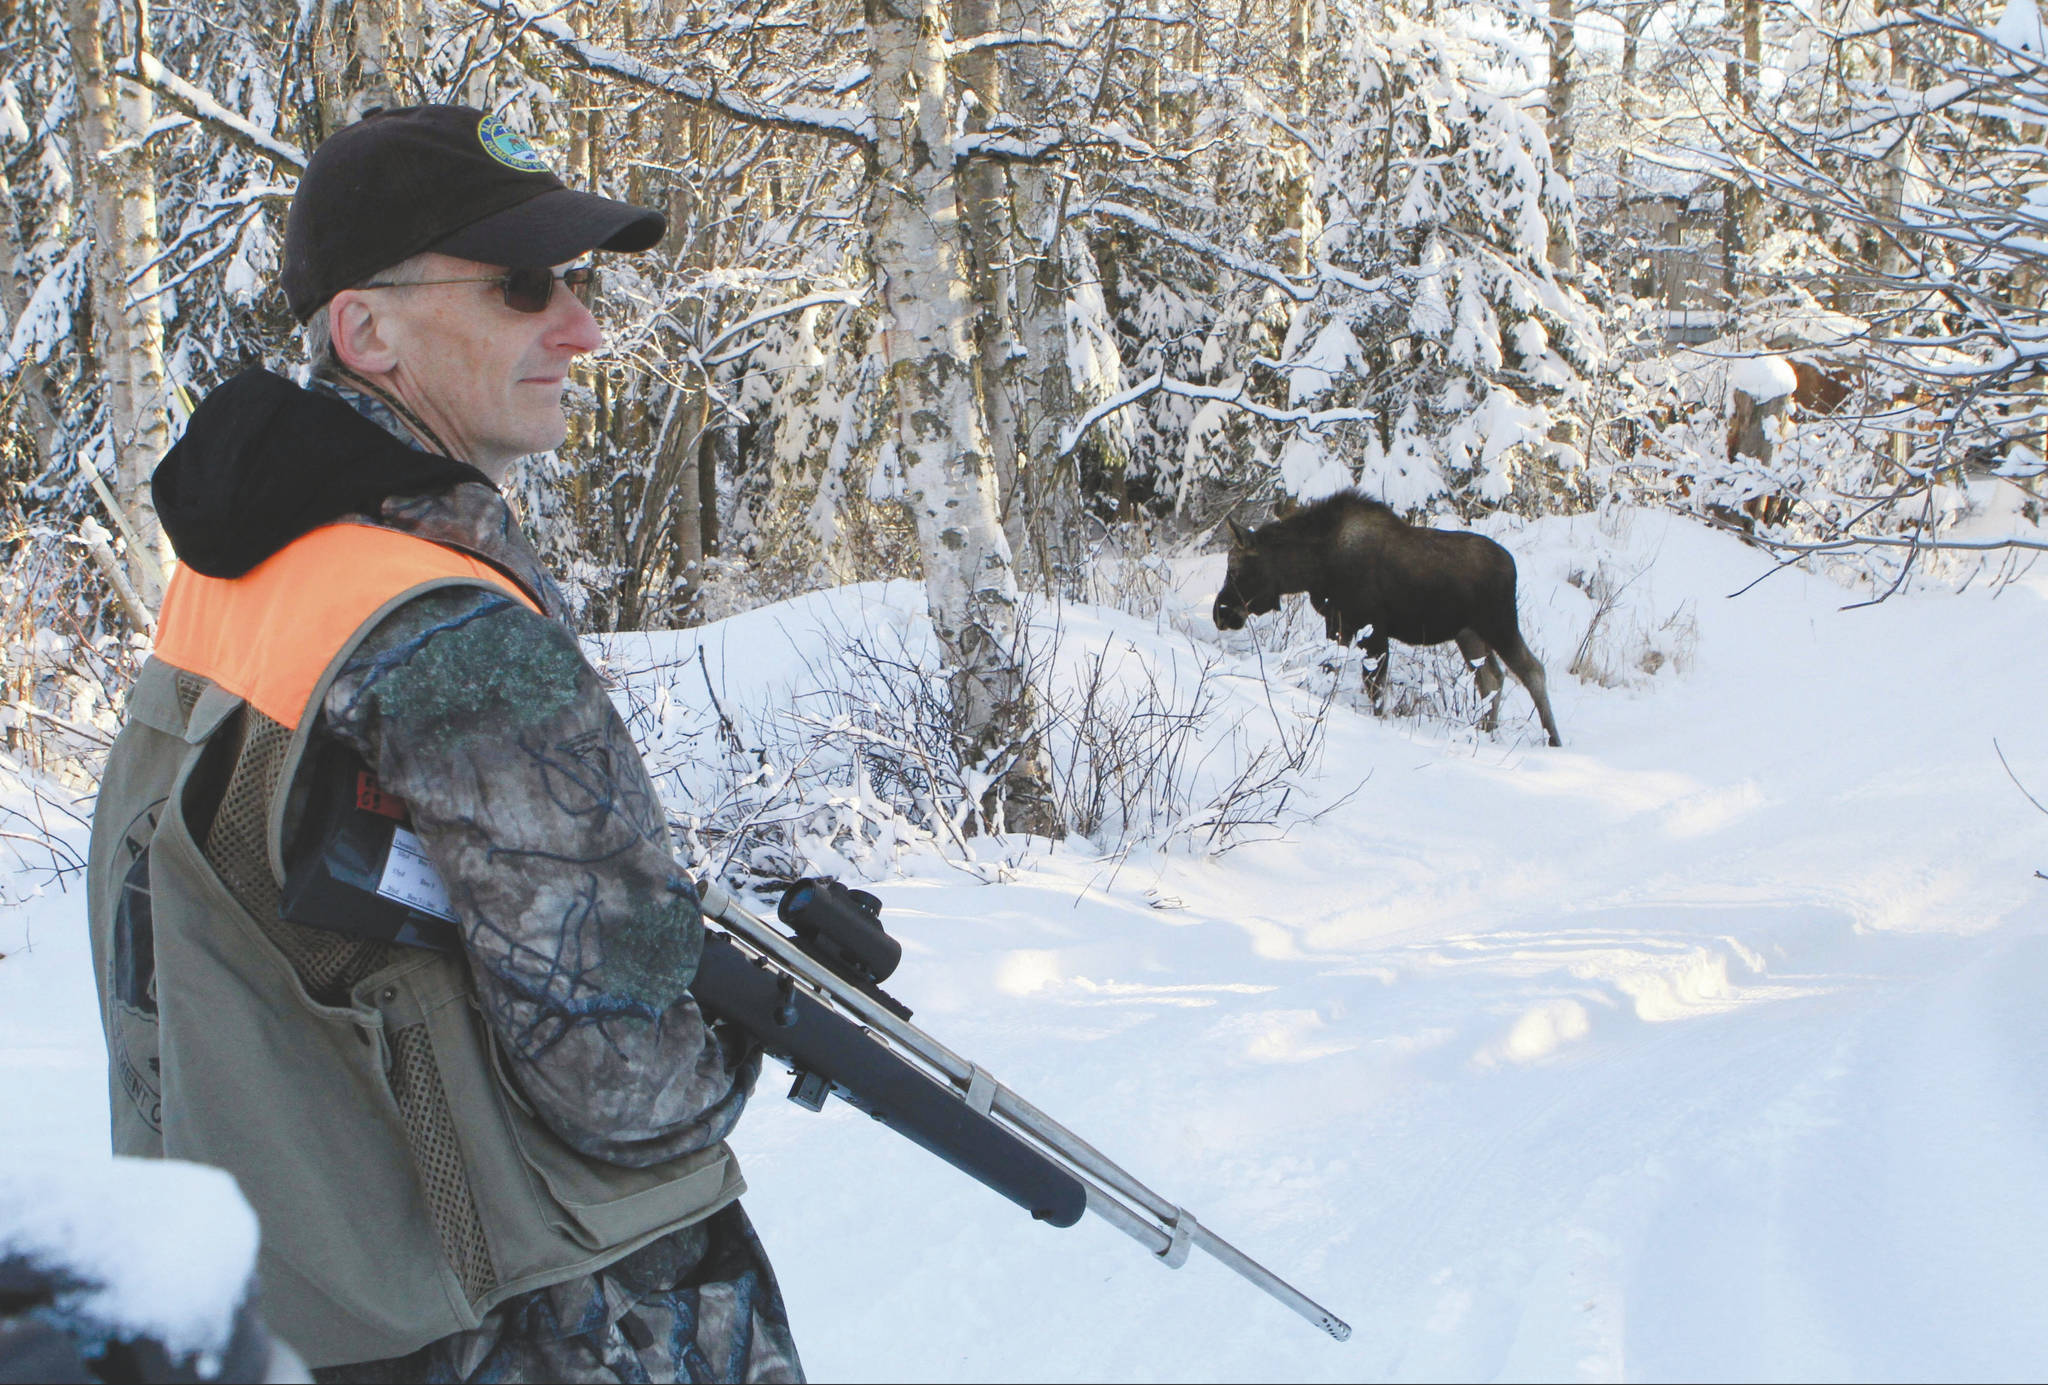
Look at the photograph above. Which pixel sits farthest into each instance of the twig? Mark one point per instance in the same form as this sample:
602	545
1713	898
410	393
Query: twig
2015	778
731	732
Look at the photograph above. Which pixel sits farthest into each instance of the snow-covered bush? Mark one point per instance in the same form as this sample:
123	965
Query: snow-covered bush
846	758
65	659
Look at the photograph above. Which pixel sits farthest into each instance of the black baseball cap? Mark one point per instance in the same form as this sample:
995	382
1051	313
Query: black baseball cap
446	178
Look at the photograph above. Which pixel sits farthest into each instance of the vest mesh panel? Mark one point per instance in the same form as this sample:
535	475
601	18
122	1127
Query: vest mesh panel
237	847
416	1082
190	685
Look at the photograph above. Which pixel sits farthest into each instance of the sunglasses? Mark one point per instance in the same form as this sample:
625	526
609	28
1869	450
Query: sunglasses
525	290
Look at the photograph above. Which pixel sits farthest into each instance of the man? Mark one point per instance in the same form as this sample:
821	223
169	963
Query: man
504	1162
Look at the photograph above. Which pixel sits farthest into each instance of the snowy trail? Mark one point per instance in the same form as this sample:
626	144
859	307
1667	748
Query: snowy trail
1840	1177
1709	1046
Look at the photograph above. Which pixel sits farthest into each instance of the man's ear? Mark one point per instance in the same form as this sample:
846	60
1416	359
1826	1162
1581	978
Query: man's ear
361	334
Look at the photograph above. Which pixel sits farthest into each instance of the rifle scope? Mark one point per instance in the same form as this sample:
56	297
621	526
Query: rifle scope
840	928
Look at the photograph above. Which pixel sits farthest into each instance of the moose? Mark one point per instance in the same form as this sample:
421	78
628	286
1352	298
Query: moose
1374	577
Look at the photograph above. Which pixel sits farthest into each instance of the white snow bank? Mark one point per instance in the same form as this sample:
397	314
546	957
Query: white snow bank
165	1248
1762	378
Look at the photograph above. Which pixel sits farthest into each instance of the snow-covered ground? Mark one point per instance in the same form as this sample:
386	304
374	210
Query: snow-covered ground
1712	1045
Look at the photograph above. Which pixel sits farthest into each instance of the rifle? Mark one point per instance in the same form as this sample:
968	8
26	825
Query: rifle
815	1001
811	997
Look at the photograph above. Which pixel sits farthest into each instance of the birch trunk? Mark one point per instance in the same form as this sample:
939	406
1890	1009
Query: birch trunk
373	29
1304	225
941	431
1896	67
118	176
1632	24
1047	400
687	134
1741	203
985	198
1564	52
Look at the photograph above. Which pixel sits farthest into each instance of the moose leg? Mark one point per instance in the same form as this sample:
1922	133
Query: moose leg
1333	619
1525	667
1486	672
1375	673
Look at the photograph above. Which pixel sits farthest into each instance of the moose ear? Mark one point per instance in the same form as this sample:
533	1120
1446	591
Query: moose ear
1241	537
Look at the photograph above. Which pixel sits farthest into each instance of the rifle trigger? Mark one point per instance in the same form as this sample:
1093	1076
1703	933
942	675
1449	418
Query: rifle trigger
1183	1234
981	1090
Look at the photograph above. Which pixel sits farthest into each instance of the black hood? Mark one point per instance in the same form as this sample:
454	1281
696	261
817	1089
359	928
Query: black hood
263	461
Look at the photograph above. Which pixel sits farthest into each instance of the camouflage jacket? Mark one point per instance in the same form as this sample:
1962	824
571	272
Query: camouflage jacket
533	802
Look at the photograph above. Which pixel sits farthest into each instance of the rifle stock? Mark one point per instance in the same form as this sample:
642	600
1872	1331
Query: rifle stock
836	1032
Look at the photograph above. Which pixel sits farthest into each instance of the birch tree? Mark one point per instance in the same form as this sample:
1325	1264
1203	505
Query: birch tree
114	167
941	430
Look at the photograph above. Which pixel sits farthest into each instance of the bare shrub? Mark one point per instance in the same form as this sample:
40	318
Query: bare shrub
67	658
1137	754
1625	642
855	761
1127	571
1269	774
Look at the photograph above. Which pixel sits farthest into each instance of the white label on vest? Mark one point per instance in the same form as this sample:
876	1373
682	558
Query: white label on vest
410	878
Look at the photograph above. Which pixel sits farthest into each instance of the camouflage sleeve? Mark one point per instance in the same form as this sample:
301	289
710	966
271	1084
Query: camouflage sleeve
530	797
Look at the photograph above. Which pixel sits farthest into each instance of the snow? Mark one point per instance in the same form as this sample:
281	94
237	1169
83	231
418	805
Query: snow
1331	356
13	128
46	318
164	1249
1707	1046
2019	28
1762	378
1308	471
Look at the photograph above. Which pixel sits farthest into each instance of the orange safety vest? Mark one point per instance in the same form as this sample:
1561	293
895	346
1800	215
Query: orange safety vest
268	635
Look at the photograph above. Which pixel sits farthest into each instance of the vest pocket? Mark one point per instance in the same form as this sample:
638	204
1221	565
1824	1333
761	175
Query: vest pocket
607	1204
531	1195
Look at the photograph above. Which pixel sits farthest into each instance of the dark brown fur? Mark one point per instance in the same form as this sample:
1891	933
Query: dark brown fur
1374	577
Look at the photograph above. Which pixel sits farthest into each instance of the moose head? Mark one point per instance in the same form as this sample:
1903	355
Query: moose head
1250	586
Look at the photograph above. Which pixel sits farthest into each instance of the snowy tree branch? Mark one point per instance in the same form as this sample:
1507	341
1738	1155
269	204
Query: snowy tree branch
715	356
1921	544
1162	383
1200	245
960	48
145	70
845	125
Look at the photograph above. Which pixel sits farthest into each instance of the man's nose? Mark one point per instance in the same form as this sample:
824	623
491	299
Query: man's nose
577	331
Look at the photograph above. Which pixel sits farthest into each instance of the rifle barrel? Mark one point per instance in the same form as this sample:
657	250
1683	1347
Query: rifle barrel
1161	1226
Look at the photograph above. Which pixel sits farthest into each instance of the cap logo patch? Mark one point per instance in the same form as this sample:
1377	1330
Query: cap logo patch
508	146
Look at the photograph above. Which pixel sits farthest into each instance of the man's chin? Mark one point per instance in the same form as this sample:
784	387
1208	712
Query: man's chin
542	437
